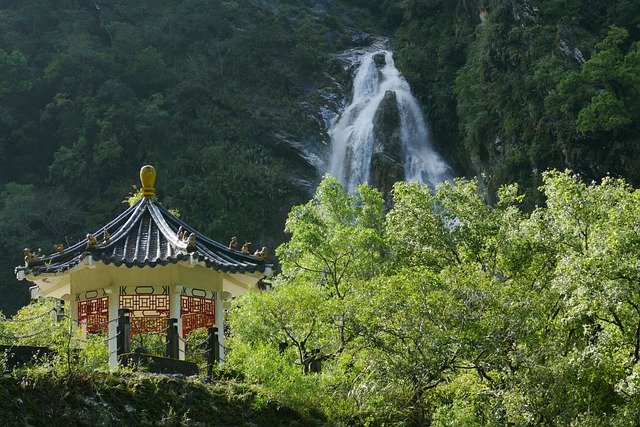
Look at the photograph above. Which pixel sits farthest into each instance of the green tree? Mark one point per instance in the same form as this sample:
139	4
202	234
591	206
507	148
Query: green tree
594	330
474	313
605	90
336	243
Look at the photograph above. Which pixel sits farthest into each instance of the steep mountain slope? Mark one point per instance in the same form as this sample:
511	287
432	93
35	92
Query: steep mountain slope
512	88
226	98
221	96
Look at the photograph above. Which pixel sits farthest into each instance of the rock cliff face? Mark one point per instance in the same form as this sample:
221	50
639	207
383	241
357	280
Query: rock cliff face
387	160
233	95
474	11
382	135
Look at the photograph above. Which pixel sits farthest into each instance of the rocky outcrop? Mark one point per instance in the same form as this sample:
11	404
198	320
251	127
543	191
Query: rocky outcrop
568	45
387	160
473	11
380	60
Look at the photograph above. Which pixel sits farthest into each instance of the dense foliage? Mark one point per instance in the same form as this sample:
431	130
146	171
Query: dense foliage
40	397
204	90
449	311
512	88
221	95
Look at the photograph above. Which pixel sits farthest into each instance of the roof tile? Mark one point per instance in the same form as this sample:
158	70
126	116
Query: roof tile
146	235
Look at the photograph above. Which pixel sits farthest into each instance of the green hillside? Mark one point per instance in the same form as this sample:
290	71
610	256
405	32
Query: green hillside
207	91
222	95
509	297
137	399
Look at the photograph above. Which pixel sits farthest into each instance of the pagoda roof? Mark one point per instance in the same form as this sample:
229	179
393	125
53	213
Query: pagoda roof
147	235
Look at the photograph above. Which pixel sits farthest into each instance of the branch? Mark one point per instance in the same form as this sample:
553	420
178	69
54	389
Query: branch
306	268
636	350
617	320
311	330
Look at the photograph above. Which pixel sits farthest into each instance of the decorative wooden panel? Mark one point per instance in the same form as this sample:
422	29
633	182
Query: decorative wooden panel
148	312
94	313
197	312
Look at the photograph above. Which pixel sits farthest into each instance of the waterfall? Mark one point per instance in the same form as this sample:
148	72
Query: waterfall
353	133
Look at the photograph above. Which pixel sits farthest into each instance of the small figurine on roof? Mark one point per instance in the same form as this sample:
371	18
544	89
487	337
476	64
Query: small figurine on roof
191	243
92	242
106	236
233	244
59	248
30	256
262	254
246	248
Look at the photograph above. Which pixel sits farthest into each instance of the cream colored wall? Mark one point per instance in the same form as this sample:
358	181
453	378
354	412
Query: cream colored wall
90	276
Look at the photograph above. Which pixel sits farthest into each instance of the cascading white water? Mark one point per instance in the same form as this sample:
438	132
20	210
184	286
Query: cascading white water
352	133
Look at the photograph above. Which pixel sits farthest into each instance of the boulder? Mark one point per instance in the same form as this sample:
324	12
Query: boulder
361	40
387	160
385	172
380	60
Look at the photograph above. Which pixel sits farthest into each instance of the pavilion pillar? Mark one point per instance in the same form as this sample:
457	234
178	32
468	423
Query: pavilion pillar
219	313
174	313
114	305
73	317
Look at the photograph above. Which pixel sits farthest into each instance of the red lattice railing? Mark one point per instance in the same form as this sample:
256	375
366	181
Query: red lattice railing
143	325
197	312
149	313
94	313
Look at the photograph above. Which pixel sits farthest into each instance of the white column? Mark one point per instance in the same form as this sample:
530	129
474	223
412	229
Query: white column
220	323
174	313
114	304
73	317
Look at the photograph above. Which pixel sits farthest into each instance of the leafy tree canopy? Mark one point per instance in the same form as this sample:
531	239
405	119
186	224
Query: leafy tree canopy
453	310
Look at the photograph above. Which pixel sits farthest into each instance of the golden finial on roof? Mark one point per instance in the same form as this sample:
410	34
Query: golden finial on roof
148	180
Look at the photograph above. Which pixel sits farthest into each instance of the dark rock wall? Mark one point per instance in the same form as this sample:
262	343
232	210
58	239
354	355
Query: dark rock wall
387	159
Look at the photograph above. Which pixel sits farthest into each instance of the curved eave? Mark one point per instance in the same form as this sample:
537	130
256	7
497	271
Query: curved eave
74	253
154	240
209	247
57	269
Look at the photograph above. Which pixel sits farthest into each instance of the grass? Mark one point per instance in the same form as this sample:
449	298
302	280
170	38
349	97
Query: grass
43	397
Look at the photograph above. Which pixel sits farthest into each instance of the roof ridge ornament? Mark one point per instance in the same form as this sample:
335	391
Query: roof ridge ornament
145	235
148	180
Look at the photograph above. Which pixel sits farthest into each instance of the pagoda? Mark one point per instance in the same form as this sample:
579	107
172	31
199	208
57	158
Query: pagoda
149	261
